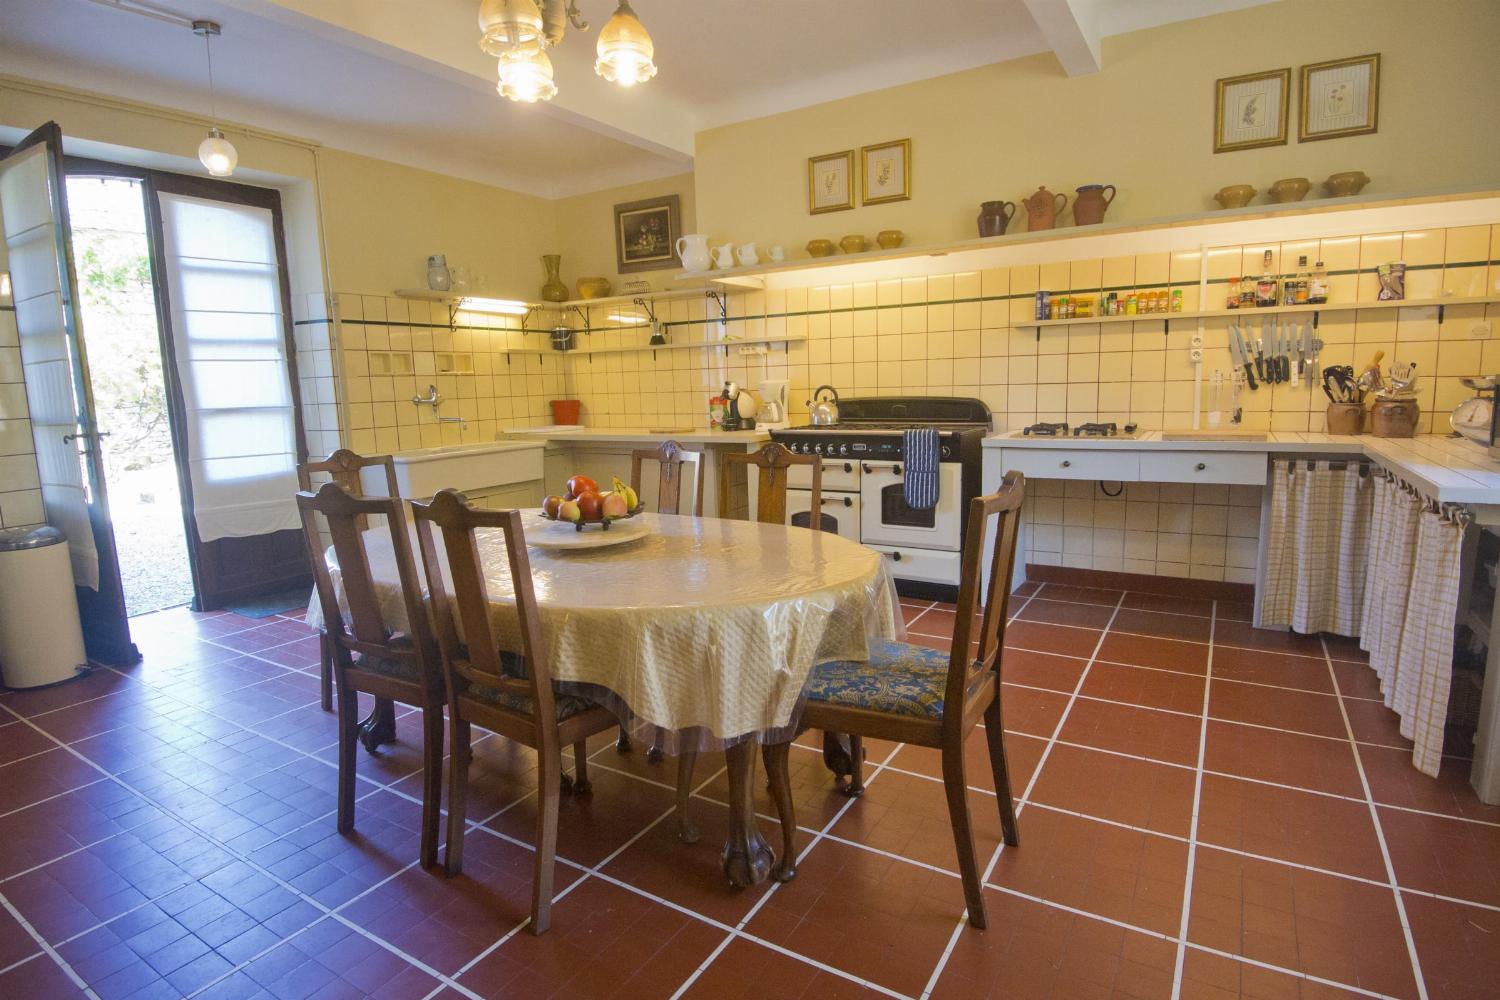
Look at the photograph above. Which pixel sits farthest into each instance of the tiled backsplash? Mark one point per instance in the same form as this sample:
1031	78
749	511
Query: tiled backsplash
20	488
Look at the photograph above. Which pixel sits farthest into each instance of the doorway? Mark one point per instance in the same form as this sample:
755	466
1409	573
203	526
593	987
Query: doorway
117	303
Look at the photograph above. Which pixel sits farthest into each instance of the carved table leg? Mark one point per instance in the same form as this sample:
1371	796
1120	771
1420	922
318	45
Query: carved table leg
379	726
777	771
844	756
746	857
687	830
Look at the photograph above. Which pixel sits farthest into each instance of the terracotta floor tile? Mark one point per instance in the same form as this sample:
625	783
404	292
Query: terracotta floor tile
1279	708
1121	874
1081	595
749	971
1290	826
1357	680
1048	670
1312	762
908	816
1147	651
1235	611
1155	623
1456	947
1032	950
591	827
1330	927
1372	722
1033	712
1198	606
1393	781
1305	673
1342	647
1140	793
1052	638
40	977
1450	857
1207	976
34	701
1066	613
1022	753
1162	736
1247	636
40	776
1148	687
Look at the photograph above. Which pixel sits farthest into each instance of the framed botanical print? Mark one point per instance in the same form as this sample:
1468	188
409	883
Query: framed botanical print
646	234
1340	97
886	171
1250	111
830	182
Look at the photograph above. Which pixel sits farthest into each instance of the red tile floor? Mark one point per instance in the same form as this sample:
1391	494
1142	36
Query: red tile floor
1206	811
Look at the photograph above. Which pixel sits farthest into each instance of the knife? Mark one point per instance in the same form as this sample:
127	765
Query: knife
1241	353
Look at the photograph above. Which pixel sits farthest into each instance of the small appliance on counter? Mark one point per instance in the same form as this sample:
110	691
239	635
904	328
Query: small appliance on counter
774	401
736	404
1474	418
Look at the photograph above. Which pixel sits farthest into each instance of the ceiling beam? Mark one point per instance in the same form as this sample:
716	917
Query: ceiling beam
1071	28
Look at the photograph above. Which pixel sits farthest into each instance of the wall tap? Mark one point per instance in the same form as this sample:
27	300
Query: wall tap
431	399
463	424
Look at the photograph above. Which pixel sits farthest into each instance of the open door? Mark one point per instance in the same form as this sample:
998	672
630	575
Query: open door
34	211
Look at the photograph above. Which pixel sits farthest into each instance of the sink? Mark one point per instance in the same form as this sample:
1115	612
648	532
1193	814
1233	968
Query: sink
421	472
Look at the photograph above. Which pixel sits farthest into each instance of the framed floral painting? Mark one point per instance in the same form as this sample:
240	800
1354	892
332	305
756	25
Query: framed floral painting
1340	97
886	170
1250	111
646	234
830	182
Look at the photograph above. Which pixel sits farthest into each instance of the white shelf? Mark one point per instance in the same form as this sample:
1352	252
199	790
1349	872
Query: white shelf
694	346
1452	300
625	300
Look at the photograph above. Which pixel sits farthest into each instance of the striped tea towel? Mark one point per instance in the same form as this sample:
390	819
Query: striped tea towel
920	489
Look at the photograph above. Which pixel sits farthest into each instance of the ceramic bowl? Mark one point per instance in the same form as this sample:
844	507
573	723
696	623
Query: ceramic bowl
1290	189
1235	195
820	248
593	288
1346	182
889	238
854	243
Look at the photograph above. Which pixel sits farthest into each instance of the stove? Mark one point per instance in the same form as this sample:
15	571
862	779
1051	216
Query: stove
1105	430
863	499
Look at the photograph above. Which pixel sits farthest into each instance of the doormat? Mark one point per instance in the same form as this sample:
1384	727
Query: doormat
266	605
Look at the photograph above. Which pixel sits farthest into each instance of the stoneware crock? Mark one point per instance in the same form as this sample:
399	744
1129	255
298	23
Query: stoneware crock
1346	182
1235	195
1042	208
820	248
994	216
1089	206
1289	189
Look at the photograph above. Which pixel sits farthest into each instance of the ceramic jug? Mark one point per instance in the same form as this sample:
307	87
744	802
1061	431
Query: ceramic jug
693	252
777	254
994	216
724	256
748	256
1089	206
1042	209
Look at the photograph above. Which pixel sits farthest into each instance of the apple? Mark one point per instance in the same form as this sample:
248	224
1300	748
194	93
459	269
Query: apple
590	505
568	511
579	485
614	506
550	506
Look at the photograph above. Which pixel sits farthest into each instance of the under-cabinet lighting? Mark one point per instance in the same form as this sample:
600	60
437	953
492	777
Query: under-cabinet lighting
627	318
504	307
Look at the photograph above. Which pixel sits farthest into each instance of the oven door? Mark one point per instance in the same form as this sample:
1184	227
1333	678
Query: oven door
840	514
887	520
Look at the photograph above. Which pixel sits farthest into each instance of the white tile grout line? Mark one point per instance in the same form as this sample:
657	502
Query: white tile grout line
1385	853
1192	845
1036	772
47	949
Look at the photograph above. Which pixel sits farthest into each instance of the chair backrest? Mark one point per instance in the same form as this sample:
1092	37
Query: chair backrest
367	631
672	458
773	460
965	670
477	659
343	467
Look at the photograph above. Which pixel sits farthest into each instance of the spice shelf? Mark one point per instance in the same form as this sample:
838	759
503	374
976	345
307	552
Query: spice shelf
1452	300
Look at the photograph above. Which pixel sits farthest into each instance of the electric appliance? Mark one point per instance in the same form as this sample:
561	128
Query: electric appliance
774	401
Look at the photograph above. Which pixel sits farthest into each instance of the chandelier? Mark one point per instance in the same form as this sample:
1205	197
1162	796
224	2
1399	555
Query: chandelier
518	34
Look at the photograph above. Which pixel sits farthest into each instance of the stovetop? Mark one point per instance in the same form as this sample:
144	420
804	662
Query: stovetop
1092	430
871	427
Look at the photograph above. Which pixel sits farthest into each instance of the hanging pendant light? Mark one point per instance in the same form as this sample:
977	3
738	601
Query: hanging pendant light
507	25
526	75
625	49
216	152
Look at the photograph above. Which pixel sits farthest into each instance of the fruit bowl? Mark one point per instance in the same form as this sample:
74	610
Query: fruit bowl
603	525
583	503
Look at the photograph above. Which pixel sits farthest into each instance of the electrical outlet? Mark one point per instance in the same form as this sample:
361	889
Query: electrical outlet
1480	331
1197	340
1196	354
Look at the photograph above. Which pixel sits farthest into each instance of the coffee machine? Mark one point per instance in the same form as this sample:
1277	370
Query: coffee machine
774	395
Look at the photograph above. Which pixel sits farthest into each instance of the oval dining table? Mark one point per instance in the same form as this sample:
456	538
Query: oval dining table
704	627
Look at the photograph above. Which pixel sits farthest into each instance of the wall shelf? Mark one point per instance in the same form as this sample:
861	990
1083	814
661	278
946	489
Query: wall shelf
694	346
625	300
1452	300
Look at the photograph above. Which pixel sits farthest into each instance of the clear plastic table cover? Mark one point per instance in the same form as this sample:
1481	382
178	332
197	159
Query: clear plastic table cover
706	628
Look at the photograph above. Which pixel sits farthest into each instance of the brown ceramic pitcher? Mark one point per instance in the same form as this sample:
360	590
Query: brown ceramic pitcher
1042	208
994	216
1089	206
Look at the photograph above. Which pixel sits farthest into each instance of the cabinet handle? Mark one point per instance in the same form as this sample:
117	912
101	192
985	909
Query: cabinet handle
896	556
1200	466
846	501
1066	463
848	467
865	466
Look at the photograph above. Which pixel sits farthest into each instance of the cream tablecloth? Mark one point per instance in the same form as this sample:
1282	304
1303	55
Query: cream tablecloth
706	627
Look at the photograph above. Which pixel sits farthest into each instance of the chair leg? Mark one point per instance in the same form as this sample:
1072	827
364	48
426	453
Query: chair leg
778	773
432	780
856	765
622	742
994	734
581	785
458	788
549	791
348	716
687	830
325	667
956	786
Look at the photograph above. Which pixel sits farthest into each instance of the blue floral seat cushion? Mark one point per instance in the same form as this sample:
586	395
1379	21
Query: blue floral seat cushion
898	678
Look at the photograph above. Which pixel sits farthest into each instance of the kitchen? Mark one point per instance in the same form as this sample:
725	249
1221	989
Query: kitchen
1231	614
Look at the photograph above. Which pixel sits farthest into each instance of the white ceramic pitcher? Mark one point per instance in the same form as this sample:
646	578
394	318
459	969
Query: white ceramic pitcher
748	256
724	255
693	251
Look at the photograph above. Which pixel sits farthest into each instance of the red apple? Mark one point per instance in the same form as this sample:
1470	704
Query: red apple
550	506
590	505
579	485
614	506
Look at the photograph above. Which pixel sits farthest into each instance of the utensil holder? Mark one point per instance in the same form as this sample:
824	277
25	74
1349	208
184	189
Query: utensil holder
565	411
1345	418
1394	418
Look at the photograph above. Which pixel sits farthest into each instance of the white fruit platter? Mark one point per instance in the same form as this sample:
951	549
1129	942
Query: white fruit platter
563	535
584	506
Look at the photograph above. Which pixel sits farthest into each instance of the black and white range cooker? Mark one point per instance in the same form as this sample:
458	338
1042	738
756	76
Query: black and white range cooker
863	468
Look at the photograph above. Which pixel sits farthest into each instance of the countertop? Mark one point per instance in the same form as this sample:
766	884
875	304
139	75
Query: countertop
697	435
1451	470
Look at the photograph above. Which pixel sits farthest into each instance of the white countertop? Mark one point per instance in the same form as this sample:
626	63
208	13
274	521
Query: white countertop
1451	470
696	435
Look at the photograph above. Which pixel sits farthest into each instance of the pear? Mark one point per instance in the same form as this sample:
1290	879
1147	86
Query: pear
568	511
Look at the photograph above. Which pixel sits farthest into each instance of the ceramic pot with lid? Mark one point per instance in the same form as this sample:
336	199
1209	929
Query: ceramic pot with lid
854	243
1234	195
820	248
1091	203
994	216
1346	182
824	411
1042	208
1290	189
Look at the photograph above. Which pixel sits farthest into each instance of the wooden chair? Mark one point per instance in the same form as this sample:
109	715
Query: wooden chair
671	457
342	467
911	694
368	654
773	460
505	693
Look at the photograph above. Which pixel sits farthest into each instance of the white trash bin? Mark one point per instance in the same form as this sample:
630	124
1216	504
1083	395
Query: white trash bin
41	641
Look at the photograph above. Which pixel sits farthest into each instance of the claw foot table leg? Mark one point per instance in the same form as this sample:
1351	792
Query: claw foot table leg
379	726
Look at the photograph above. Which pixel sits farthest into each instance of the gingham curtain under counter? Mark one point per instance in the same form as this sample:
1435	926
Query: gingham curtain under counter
1317	547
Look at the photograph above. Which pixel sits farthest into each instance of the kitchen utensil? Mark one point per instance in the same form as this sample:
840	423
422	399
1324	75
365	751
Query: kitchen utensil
1289	189
1215	398
693	252
994	217
1241	354
1472	417
1235	195
1369	379
1043	208
1091	203
1394	417
1236	414
854	243
1346	182
824	411
592	288
820	248
1403	377
1345	418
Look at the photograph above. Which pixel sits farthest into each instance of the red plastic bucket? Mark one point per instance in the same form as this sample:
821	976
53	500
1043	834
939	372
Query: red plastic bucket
565	411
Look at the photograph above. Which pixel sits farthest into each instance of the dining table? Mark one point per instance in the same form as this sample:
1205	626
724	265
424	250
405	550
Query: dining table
704	628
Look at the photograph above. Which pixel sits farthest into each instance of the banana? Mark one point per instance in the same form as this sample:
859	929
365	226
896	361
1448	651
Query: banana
632	501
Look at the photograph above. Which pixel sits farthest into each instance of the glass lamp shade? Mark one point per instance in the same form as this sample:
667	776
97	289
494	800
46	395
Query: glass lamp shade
218	153
625	49
508	24
526	75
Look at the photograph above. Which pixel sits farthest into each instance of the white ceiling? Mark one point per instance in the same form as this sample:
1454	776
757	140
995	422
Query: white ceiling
405	80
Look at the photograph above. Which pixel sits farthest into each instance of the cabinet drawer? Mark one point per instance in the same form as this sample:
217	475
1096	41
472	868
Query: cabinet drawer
1244	468
924	565
1073	463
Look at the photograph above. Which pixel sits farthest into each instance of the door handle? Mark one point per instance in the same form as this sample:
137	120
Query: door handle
846	501
896	556
1200	466
1066	463
69	438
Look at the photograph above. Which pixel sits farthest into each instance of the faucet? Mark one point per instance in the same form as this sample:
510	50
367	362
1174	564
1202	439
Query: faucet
431	399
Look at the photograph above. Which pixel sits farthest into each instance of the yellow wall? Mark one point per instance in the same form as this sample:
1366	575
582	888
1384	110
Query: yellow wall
585	228
1144	124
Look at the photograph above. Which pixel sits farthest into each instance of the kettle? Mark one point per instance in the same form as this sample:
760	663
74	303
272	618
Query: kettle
824	412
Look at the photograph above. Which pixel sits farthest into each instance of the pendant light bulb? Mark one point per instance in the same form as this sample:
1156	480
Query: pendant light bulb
625	49
218	153
506	25
526	75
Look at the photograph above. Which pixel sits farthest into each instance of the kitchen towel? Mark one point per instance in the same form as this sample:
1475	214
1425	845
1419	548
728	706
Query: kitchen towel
920	446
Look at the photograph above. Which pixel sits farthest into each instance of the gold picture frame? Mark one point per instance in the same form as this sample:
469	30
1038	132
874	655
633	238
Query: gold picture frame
885	172
1340	97
1250	111
830	182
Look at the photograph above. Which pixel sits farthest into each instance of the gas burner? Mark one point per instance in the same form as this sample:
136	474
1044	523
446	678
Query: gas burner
1047	430
1110	429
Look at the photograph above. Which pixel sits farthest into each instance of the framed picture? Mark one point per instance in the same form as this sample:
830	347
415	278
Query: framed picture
830	182
646	234
1340	97
1250	111
886	168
